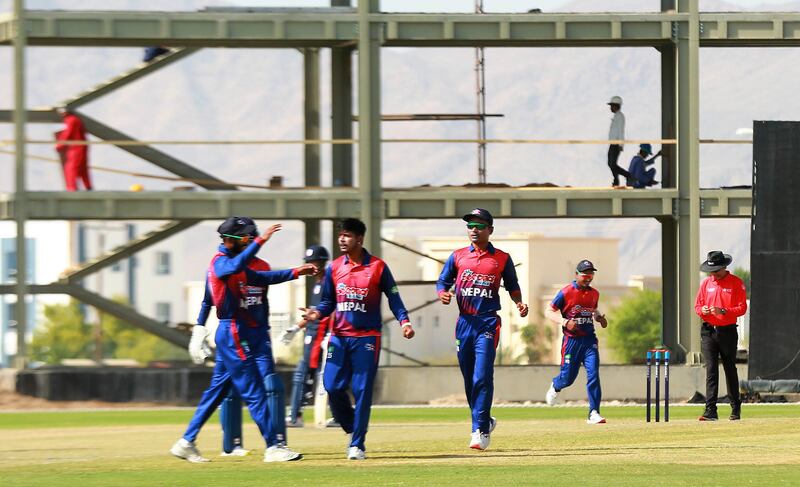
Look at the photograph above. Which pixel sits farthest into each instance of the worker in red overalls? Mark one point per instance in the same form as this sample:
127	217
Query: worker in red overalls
74	158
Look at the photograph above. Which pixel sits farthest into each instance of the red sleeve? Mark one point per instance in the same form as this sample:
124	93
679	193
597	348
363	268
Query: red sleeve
738	300
72	129
700	300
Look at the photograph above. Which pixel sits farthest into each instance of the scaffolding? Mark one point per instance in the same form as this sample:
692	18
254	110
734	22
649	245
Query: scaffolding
678	31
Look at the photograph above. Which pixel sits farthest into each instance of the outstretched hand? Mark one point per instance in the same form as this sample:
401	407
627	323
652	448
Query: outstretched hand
306	270
269	231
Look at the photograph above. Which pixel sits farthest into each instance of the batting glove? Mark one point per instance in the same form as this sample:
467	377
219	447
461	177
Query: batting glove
288	334
198	348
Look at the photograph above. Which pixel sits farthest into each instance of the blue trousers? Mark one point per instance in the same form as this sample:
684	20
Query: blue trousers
352	361
243	359
574	352
303	378
476	344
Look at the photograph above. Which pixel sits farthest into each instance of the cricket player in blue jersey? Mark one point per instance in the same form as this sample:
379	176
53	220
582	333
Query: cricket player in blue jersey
244	352
352	288
306	371
575	309
476	271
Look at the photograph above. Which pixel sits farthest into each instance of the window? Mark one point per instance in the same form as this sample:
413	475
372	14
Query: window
163	312
162	263
10	318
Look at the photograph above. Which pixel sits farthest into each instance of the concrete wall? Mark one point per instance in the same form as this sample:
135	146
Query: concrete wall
409	385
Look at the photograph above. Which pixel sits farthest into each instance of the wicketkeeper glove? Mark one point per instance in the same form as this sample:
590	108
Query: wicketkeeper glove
198	348
288	334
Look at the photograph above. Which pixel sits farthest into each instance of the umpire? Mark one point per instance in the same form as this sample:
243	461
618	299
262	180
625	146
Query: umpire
720	300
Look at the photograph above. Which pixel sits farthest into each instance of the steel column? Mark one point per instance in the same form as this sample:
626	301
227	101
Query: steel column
369	124
688	94
669	226
20	116
311	168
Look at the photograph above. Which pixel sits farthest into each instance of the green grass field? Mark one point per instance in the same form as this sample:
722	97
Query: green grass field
414	446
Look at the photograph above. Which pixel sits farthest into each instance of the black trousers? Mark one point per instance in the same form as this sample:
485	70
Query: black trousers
716	343
616	171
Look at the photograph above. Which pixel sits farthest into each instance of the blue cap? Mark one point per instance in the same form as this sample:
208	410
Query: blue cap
646	148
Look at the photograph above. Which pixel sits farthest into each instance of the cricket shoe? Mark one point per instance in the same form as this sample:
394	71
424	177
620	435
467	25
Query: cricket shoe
188	451
595	418
492	423
281	453
552	396
297	423
479	441
332	423
708	415
356	453
736	413
236	452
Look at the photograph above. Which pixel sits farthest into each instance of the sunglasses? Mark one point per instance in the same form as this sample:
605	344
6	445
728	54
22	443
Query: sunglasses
237	237
479	226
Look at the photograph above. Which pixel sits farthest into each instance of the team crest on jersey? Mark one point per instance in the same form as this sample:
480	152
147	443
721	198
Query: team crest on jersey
251	296
351	292
477	279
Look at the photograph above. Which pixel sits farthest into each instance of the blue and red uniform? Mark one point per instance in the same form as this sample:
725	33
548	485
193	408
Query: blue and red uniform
236	285
579	345
353	290
476	275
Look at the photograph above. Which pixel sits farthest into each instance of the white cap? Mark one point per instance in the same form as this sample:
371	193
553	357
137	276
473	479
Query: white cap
615	100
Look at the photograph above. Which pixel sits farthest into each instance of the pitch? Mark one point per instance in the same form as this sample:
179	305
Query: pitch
413	446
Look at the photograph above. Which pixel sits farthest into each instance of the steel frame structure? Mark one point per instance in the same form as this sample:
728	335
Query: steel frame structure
678	32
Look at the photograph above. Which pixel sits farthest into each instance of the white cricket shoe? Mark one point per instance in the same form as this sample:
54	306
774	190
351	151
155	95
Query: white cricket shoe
356	453
479	441
552	396
492	423
188	451
281	453
332	423
236	452
298	423
595	418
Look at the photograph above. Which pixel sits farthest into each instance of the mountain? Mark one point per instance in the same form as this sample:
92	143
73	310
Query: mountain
543	93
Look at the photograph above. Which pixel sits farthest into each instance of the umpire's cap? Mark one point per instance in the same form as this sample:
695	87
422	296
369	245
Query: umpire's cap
316	253
479	213
585	265
238	226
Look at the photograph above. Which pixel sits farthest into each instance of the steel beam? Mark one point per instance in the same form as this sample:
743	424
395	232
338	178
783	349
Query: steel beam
128	249
332	203
311	167
139	71
118	310
154	156
336	27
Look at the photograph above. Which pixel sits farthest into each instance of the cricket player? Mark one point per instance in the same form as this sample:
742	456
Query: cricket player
575	309
352	287
306	371
476	271
244	352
